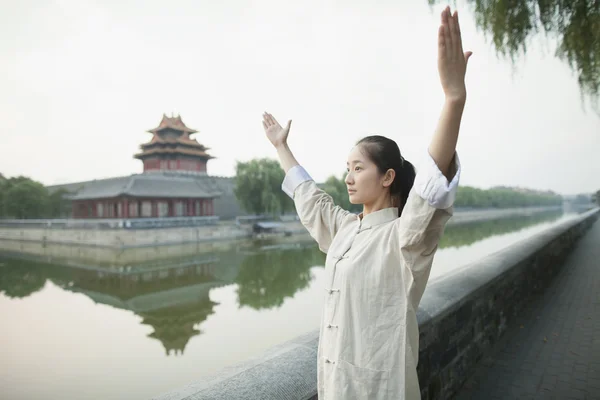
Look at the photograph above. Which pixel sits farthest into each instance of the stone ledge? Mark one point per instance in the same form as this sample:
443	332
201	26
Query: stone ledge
285	371
463	314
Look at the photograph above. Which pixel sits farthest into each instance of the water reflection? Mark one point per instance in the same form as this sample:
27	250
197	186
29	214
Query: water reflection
20	278
174	326
171	295
170	300
174	299
266	278
467	234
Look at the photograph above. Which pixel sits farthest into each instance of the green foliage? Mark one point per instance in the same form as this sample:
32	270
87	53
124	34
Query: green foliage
3	190
267	278
21	197
338	191
575	24
467	234
258	187
470	197
596	197
467	197
20	278
57	206
26	199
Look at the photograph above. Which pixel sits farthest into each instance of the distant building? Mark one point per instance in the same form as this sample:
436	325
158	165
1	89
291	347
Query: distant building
174	182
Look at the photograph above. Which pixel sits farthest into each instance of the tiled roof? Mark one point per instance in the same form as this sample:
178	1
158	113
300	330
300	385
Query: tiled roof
174	123
155	184
176	150
183	139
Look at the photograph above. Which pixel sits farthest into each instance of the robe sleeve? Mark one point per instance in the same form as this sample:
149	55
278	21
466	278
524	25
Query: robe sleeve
429	206
317	212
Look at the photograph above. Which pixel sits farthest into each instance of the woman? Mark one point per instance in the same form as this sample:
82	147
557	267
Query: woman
377	263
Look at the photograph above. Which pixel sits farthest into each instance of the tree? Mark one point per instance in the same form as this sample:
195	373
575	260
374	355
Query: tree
575	23
596	197
58	205
258	187
22	197
504	197
25	199
338	191
3	189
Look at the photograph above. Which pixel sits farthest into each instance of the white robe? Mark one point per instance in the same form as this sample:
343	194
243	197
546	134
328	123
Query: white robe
376	271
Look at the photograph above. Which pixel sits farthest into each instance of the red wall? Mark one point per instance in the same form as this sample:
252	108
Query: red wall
110	207
154	164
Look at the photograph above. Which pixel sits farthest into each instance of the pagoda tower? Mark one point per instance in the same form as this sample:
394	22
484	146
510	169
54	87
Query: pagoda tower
174	182
172	149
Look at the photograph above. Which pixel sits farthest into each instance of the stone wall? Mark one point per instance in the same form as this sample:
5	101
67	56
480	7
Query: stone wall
120	238
125	238
461	316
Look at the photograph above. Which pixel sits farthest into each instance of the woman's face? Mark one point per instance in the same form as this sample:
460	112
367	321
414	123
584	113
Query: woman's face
364	182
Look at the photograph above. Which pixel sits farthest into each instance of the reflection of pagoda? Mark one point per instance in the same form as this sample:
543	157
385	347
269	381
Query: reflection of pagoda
173	301
174	326
174	182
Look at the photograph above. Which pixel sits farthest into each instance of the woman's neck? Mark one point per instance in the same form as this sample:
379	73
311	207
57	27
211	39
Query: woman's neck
379	204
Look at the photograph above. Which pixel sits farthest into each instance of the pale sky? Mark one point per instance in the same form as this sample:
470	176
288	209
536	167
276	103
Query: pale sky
81	81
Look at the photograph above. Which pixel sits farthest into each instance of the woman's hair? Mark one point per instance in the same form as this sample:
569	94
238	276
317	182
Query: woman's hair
385	154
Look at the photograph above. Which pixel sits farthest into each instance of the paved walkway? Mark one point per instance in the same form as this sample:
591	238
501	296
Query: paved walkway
553	349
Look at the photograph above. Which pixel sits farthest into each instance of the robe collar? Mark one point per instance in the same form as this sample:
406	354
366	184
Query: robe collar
378	217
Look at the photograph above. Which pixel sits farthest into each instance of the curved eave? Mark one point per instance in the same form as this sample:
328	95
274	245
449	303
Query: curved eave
162	152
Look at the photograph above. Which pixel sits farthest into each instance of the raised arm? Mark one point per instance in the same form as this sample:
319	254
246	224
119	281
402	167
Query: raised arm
452	66
430	203
278	135
317	212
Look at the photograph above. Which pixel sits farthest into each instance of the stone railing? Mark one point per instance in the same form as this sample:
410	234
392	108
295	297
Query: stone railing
461	316
110	223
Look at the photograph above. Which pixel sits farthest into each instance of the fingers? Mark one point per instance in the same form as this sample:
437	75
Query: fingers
454	33
441	43
268	118
467	55
450	34
458	33
451	25
447	35
273	120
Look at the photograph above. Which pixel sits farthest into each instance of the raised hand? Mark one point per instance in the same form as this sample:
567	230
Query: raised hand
275	133
452	61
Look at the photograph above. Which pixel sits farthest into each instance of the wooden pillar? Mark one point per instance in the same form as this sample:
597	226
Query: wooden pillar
125	206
